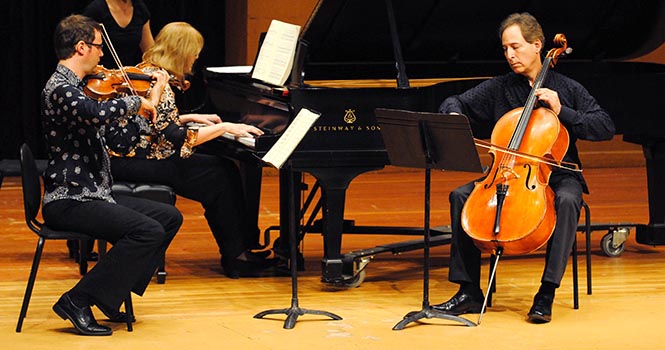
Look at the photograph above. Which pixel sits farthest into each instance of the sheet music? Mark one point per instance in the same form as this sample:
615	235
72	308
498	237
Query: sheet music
273	65
291	137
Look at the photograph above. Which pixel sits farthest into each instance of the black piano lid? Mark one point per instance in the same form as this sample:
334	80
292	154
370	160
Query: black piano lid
352	35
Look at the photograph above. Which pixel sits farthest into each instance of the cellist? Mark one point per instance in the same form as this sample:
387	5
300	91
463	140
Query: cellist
522	40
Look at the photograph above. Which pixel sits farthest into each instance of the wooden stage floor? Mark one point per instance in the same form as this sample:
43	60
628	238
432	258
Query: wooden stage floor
198	308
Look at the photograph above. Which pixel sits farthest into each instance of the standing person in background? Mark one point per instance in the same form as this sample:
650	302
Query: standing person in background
128	25
77	182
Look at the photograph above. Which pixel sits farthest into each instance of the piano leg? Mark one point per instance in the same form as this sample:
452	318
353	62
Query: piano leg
654	232
334	184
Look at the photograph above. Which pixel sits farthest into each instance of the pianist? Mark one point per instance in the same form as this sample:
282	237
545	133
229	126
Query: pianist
522	40
165	154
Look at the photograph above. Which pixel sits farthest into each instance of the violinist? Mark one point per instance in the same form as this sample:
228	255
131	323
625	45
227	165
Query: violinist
128	25
77	182
166	154
522	40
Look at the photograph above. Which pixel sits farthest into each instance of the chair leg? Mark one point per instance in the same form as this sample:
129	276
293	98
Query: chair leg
587	218
85	246
31	283
129	311
576	294
161	269
101	247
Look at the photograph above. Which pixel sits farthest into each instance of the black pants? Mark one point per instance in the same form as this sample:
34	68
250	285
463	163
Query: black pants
465	257
210	180
139	229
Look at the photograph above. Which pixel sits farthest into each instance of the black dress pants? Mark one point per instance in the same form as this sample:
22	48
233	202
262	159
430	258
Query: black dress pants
465	257
210	180
140	231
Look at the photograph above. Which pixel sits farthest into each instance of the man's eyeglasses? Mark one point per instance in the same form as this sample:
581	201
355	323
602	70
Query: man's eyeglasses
99	46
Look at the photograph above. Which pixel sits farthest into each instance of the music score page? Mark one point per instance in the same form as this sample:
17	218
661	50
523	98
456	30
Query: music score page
273	65
292	136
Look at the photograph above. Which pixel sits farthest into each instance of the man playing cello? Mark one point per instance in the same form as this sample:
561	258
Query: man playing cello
522	39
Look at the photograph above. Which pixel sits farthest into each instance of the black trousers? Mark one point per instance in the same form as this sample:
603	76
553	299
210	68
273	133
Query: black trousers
465	257
139	229
210	180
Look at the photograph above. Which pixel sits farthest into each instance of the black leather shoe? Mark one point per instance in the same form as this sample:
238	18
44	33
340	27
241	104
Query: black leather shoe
252	267
541	311
114	315
81	318
461	303
260	254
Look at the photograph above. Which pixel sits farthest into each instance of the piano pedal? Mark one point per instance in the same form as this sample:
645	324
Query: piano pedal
283	254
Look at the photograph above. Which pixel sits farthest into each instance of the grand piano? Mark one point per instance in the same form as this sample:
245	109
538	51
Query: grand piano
357	55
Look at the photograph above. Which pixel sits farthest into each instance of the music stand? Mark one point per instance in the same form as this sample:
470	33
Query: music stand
429	141
294	310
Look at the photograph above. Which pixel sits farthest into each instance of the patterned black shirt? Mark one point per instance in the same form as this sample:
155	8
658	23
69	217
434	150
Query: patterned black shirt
78	164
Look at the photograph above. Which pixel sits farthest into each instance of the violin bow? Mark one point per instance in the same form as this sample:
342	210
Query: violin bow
116	58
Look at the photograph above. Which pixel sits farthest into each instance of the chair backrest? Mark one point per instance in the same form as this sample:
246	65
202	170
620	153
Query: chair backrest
32	191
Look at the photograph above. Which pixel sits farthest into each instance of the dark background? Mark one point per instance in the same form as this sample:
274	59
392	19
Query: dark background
28	59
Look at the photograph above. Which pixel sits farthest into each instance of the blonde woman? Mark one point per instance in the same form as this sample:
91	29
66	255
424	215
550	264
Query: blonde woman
166	154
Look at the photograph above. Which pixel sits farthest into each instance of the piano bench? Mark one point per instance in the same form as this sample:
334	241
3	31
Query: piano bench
155	192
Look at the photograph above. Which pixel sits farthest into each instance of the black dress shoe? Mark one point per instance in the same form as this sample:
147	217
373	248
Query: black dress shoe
113	315
541	311
461	303
81	318
261	254
246	266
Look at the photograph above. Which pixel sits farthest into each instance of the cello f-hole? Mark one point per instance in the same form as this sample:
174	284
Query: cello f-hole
528	178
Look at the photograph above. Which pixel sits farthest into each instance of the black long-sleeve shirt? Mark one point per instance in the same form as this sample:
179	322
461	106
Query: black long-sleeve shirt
487	102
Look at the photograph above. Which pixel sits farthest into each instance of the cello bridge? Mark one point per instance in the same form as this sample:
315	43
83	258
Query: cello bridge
507	173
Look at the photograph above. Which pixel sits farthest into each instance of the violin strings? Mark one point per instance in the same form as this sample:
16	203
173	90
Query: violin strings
116	58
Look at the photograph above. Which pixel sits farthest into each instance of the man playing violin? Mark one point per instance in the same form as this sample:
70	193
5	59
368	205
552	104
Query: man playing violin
77	181
522	40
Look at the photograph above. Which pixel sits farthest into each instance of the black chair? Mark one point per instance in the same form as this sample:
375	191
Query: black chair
586	229
159	193
32	194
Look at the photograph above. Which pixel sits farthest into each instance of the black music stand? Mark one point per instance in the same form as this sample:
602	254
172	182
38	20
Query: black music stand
295	310
430	141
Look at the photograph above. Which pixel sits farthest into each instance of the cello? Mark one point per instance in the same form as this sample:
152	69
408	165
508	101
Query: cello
511	211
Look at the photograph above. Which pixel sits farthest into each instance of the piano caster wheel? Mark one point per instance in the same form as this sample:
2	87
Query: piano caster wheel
359	273
356	281
614	242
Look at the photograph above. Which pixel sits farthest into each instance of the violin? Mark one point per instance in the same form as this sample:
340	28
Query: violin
105	83
512	210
